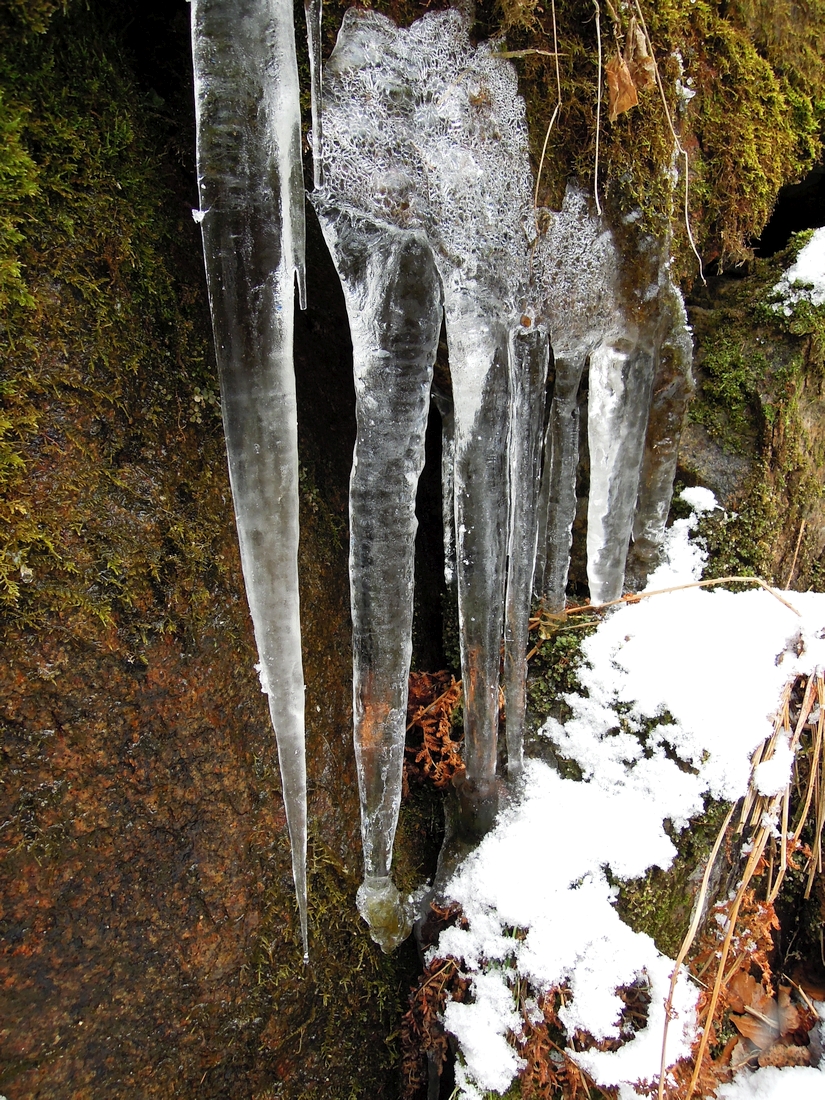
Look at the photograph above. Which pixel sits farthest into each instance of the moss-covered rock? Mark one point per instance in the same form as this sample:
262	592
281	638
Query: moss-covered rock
756	432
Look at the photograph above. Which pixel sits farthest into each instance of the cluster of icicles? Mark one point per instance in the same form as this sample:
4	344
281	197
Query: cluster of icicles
424	193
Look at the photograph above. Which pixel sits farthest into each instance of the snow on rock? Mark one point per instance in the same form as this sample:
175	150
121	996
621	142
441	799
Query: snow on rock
805	278
711	665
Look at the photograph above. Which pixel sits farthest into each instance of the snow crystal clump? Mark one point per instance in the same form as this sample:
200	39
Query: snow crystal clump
805	279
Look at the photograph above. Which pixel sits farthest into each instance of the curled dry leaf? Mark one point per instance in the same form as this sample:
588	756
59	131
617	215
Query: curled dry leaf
641	64
621	91
629	72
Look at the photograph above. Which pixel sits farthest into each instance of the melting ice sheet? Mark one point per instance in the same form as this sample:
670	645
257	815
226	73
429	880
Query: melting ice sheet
543	869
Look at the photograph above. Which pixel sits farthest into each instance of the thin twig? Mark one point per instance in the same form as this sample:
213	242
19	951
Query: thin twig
525	53
802	526
678	145
753	859
636	597
557	109
688	940
598	109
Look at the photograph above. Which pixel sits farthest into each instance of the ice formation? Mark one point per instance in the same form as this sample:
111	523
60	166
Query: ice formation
251	192
424	192
426	172
629	329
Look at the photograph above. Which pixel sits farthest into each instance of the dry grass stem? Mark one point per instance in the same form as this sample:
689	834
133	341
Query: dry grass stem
677	143
802	526
557	109
698	910
598	109
637	597
759	812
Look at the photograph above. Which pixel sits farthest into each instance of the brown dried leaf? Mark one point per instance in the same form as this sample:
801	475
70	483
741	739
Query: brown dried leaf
761	1032
765	1019
621	91
743	989
640	62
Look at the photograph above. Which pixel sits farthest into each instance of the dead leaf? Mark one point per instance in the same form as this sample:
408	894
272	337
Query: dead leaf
640	60
765	1020
621	91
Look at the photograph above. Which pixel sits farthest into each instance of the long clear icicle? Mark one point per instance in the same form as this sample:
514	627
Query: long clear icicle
313	12
251	191
393	299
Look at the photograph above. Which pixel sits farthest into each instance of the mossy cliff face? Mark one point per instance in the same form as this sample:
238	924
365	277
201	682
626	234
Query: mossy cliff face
756	431
148	926
149	935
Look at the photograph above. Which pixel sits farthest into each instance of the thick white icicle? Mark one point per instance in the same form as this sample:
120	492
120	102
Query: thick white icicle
251	191
672	387
621	374
622	329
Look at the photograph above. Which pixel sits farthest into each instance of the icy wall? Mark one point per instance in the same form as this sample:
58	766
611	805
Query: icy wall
424	192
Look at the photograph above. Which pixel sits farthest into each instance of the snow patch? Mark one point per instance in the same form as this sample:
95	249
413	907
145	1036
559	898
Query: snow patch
805	278
705	664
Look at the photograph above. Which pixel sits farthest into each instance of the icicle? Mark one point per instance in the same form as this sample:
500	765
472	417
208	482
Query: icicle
425	132
313	12
559	481
529	354
479	365
393	299
444	404
672	386
251	191
621	373
578	264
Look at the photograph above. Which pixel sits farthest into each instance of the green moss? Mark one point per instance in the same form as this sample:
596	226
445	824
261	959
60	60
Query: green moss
661	902
760	374
730	407
554	668
107	365
337	1021
754	124
26	17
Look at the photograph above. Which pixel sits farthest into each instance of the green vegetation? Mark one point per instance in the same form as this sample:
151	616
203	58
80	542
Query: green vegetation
754	123
759	373
106	369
